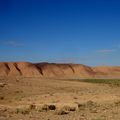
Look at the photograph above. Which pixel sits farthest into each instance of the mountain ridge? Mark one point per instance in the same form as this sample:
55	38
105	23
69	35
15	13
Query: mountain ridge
62	70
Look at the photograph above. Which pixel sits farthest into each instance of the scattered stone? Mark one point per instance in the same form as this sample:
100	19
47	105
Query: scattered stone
2	84
52	107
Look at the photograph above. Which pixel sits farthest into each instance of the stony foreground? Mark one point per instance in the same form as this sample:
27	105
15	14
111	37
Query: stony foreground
57	99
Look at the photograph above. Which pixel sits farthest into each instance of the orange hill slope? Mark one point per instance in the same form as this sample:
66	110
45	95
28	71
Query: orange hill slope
27	69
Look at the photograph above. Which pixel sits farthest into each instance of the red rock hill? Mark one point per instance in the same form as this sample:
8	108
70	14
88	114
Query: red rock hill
54	70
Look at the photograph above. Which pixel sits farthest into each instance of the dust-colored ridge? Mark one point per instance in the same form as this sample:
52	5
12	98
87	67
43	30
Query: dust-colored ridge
4	69
18	69
27	69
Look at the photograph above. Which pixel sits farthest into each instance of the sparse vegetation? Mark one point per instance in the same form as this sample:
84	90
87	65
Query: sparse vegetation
64	100
111	82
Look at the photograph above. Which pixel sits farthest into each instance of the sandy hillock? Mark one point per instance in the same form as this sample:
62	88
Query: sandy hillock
27	69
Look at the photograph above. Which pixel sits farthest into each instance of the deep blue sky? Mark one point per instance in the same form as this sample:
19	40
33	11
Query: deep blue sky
78	31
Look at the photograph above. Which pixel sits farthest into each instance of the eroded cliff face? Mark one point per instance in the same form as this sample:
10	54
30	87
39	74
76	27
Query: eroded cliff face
27	69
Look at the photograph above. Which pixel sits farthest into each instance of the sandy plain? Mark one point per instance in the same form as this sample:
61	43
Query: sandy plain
57	99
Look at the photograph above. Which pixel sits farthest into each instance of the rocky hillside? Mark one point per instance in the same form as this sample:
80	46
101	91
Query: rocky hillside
53	70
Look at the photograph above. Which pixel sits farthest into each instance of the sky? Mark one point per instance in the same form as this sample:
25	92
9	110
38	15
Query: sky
61	31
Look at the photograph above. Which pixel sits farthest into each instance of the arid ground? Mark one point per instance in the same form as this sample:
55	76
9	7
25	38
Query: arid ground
57	99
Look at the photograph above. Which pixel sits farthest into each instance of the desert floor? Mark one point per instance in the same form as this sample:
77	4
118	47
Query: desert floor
56	99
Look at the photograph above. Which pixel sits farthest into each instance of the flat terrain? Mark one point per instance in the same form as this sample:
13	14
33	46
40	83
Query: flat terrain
57	99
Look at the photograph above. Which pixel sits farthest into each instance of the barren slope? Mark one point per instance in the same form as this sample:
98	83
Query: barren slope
27	69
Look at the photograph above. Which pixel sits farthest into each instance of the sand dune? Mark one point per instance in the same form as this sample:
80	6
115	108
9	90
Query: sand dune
27	69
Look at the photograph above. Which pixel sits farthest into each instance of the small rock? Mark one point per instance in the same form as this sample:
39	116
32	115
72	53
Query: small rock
2	84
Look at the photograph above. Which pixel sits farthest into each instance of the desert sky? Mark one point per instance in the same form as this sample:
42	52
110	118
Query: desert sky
65	31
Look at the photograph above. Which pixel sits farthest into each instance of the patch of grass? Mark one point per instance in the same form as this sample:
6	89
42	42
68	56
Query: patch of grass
111	82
